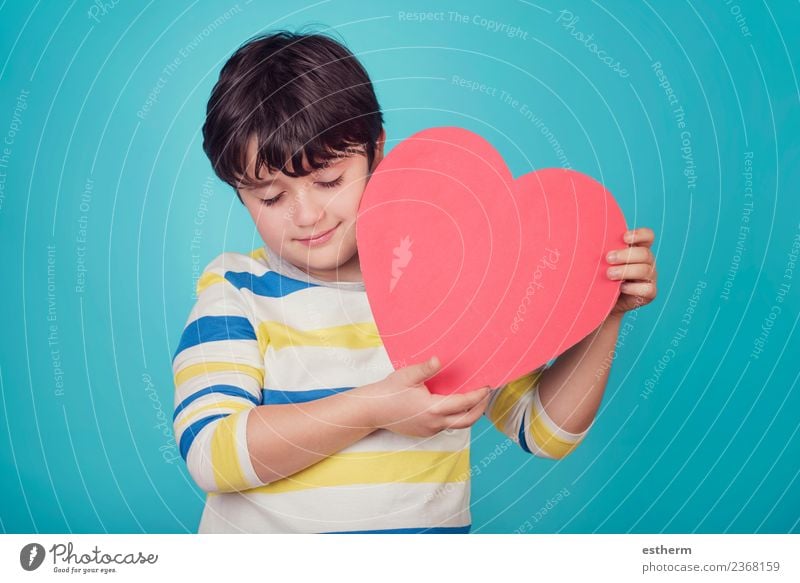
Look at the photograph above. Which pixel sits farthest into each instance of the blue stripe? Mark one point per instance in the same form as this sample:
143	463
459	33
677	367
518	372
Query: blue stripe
191	432
219	389
276	397
213	328
522	441
271	284
429	530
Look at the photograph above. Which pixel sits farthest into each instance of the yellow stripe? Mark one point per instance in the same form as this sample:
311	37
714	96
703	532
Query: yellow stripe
226	404
390	467
259	254
509	396
208	279
225	458
262	335
359	335
195	370
546	440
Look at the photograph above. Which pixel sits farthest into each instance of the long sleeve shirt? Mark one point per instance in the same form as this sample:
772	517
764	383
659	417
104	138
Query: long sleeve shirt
263	332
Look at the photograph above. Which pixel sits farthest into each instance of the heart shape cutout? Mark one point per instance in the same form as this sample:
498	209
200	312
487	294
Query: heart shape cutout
493	275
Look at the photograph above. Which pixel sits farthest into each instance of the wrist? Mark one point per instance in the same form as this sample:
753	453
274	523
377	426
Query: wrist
368	401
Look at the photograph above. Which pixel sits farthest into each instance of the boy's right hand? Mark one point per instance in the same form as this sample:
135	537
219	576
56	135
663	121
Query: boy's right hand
403	404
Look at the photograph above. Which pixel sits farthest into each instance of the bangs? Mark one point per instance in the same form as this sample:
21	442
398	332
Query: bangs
287	150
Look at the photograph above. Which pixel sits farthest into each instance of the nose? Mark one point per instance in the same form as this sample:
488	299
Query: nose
307	211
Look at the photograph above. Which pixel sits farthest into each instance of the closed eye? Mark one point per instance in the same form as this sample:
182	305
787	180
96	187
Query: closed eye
332	183
271	201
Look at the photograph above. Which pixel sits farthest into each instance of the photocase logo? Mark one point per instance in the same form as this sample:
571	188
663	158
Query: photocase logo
31	556
402	255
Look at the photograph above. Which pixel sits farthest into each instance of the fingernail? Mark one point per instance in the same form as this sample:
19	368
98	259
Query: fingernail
612	257
628	236
614	273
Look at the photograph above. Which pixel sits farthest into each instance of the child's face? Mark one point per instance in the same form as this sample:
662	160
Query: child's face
309	206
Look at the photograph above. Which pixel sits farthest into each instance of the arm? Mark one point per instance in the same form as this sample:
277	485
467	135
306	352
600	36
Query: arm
229	440
549	411
285	439
293	437
571	390
517	411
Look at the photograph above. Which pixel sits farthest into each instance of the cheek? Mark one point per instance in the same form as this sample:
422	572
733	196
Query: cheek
348	201
265	222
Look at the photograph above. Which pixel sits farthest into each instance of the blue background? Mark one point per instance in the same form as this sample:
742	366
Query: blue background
704	442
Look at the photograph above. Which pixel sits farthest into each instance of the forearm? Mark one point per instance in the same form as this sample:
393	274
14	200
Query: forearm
571	390
284	439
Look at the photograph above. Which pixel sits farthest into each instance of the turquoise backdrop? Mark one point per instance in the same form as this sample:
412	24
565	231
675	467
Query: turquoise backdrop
689	112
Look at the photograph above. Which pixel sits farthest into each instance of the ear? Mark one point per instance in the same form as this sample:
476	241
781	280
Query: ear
378	150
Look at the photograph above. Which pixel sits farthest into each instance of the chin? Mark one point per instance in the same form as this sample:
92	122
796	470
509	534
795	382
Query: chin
320	263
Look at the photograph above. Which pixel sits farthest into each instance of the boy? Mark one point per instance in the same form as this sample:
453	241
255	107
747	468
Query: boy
288	411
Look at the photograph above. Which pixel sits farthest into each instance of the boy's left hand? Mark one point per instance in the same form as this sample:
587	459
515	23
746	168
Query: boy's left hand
636	266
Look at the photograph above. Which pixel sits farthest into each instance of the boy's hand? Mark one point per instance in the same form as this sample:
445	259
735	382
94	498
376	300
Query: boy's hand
636	265
402	403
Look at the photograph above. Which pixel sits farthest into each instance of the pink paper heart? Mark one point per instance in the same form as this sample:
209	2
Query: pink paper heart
493	275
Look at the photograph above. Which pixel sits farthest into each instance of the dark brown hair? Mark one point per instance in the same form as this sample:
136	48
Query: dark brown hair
298	95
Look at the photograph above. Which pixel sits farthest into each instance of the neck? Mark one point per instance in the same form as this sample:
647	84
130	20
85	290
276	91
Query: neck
348	272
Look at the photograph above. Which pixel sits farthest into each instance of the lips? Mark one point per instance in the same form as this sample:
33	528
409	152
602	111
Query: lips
320	240
317	236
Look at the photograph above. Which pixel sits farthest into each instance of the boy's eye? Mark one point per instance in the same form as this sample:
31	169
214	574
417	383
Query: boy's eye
332	183
271	201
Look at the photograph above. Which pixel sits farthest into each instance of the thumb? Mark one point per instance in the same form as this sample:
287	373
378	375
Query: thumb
418	373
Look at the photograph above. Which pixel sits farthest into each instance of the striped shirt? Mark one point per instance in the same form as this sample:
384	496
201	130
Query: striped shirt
263	332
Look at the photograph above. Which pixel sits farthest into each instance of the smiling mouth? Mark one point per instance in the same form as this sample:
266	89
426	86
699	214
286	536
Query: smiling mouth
320	236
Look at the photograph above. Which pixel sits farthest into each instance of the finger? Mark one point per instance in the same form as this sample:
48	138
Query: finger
416	374
631	255
467	418
641	236
645	290
459	402
641	271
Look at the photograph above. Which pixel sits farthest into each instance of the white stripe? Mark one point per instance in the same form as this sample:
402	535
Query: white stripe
199	382
302	368
311	308
361	507
553	427
222	409
384	440
231	261
203	380
219	299
239	351
514	418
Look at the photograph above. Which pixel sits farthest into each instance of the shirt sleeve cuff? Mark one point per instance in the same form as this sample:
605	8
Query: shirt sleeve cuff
549	435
